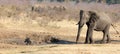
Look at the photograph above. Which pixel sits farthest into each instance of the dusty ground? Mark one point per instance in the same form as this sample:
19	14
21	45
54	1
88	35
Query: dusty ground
17	23
63	49
12	41
65	46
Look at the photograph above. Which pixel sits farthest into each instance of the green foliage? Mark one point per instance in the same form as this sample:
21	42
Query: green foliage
113	1
40	0
60	0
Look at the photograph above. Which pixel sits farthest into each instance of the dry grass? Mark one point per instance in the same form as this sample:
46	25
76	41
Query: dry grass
47	14
55	19
52	19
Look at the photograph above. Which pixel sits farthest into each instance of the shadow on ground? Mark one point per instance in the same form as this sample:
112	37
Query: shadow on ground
112	42
65	42
73	42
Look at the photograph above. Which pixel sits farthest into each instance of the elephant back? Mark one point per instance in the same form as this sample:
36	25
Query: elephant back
104	16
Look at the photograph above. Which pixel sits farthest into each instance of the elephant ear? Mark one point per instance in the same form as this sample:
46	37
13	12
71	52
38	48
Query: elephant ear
93	17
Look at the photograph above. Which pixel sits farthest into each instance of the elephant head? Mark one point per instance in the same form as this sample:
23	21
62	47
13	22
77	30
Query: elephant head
85	16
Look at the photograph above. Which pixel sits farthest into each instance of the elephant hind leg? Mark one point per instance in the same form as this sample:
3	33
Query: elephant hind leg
106	34
108	38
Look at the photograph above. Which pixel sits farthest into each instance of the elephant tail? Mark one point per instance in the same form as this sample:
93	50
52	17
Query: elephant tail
115	29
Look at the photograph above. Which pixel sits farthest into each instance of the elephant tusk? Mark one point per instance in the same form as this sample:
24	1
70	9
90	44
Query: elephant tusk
78	23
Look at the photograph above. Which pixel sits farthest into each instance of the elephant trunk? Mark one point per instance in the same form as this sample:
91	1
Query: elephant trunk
80	25
78	34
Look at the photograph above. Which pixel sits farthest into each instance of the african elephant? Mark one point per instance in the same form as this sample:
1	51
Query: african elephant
94	21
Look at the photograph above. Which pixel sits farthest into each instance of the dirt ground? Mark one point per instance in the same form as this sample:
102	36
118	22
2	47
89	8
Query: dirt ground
63	49
65	46
45	22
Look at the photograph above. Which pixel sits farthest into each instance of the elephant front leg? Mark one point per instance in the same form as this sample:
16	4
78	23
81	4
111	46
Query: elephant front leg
89	35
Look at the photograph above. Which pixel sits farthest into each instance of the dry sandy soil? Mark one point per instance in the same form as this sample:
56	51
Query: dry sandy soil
17	23
66	46
62	49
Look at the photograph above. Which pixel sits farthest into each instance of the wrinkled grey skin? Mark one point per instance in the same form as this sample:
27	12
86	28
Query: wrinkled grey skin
94	21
